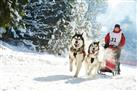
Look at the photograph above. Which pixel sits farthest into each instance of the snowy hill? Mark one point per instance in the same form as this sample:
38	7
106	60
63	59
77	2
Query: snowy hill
21	71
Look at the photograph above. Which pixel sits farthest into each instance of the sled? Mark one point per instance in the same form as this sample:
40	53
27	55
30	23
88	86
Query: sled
109	63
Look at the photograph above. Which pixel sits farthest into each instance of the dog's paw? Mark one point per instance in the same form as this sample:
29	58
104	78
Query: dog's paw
75	76
70	69
87	74
91	77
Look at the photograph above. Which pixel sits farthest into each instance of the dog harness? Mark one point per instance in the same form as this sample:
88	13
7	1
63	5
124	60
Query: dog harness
80	50
93	54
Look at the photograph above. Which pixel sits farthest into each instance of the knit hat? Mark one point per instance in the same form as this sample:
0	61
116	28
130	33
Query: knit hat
117	25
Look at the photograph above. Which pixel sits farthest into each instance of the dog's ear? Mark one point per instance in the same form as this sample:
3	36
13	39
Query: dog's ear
98	43
76	32
82	34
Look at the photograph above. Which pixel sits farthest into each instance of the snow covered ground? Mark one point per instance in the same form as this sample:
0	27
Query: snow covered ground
22	71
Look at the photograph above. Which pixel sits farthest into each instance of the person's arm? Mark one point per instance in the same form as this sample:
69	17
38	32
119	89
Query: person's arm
123	41
107	39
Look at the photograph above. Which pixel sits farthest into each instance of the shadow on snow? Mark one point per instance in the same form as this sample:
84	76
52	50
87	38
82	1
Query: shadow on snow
67	79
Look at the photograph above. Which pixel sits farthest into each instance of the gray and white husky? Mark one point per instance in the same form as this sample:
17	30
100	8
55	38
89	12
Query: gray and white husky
92	62
76	53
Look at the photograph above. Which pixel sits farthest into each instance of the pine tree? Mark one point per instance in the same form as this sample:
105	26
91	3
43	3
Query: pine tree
48	21
85	13
95	7
11	12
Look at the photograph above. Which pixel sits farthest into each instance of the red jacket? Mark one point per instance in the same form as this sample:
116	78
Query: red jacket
122	42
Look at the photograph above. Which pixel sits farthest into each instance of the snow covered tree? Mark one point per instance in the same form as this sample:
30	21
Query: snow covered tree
49	24
95	7
11	12
47	20
85	13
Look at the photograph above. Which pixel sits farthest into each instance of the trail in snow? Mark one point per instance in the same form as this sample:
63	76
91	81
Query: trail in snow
20	71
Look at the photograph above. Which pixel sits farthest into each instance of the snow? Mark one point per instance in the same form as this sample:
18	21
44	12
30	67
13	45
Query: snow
23	71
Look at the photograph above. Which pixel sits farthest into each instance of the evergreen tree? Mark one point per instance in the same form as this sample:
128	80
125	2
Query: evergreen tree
48	21
11	12
85	13
49	24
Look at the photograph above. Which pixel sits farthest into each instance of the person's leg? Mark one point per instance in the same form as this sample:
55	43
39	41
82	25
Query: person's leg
119	68
118	53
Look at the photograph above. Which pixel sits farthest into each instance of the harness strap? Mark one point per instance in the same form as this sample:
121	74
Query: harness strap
80	50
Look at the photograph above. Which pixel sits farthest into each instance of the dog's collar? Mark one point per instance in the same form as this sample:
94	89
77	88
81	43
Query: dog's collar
93	53
80	50
83	52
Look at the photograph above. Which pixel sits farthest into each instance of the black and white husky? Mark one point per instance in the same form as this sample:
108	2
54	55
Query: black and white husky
92	62
76	53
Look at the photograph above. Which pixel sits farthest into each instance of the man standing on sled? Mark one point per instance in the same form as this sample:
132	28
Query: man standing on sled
115	41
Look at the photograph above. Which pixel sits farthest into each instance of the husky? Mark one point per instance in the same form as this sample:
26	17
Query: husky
76	53
92	62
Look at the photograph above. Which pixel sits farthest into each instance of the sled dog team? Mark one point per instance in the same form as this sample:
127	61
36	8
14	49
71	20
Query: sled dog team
114	41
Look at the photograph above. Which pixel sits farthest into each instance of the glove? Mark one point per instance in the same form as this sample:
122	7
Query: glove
106	46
